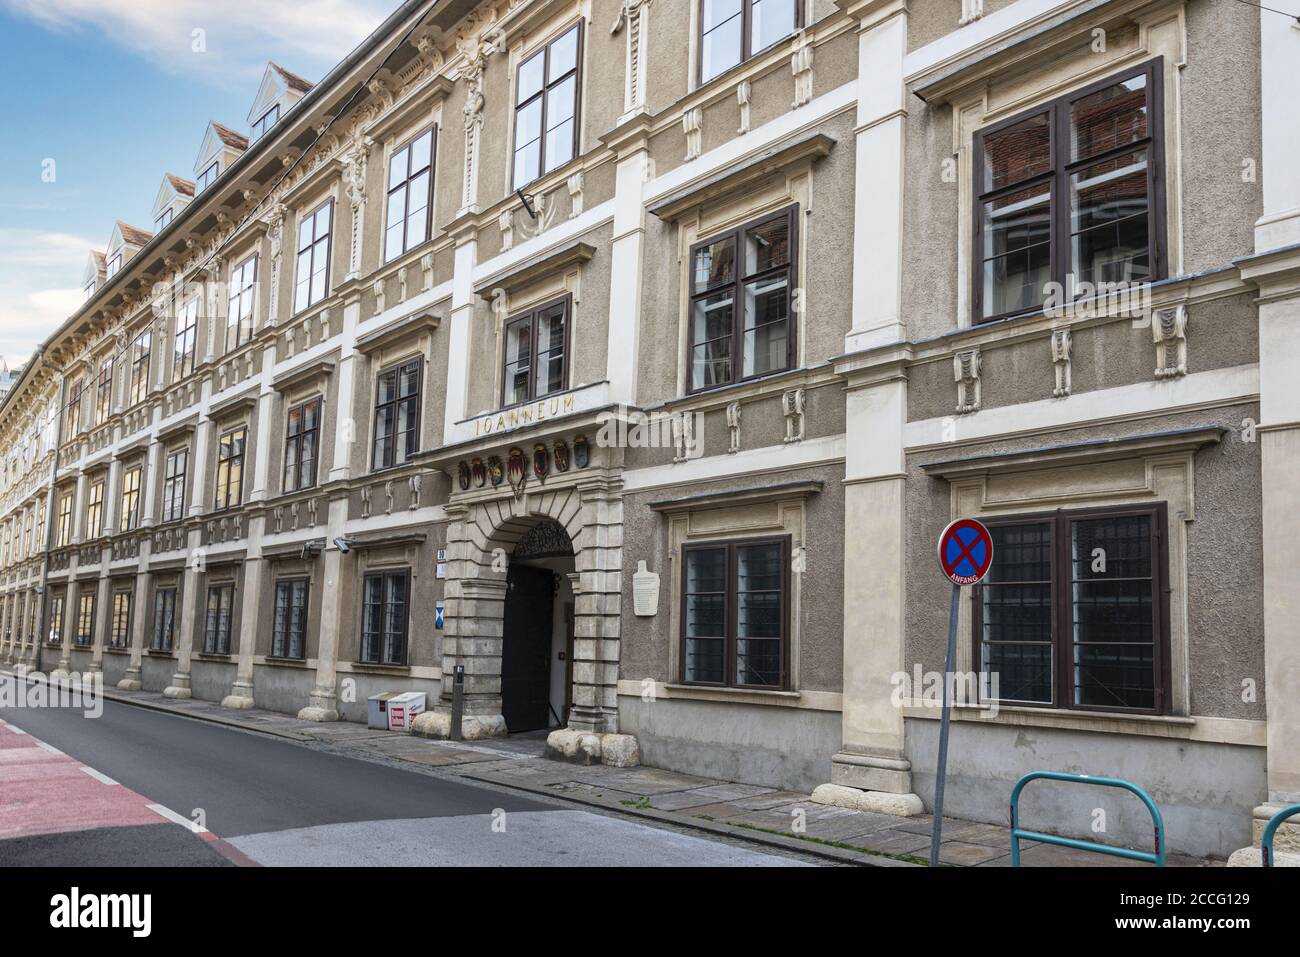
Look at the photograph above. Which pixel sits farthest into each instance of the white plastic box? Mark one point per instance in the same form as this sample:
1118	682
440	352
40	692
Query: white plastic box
403	708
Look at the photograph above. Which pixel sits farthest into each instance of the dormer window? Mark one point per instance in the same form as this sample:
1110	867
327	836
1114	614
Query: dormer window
208	176
90	289
114	264
267	120
163	219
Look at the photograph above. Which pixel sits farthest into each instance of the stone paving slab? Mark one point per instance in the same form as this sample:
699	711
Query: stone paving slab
709	794
440	759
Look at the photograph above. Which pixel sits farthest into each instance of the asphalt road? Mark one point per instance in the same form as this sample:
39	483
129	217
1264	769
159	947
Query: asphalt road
273	802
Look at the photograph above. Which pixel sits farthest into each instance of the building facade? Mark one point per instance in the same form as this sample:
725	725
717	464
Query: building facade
623	360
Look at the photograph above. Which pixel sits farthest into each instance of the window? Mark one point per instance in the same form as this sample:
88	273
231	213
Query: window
397	415
141	349
163	219
732	31
289	631
243	293
86	617
230	468
74	408
90	290
104	391
55	636
187	330
130	511
120	636
173	505
410	191
383	624
1073	613
264	123
546	108
164	619
735	599
302	433
313	257
742	288
95	511
216	634
536	353
63	532
1071	193
114	264
207	177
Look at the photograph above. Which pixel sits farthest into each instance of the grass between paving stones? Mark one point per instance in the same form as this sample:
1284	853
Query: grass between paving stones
641	804
909	858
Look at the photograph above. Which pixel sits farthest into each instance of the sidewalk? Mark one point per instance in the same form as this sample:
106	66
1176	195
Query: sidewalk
786	819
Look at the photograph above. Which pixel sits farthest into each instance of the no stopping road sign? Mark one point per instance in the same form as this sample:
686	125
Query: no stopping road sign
965	551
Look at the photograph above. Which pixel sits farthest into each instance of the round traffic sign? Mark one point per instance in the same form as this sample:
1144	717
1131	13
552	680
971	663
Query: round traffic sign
965	551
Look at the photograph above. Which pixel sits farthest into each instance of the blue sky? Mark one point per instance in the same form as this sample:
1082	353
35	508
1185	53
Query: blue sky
115	94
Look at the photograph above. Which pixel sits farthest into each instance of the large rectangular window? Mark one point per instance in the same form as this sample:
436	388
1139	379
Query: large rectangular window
536	353
384	617
301	441
55	634
410	193
95	511
164	619
742	302
1070	195
546	108
141	354
289	629
1073	612
230	468
207	177
130	503
220	611
735	613
187	331
313	257
243	301
264	124
74	409
731	31
120	633
173	504
63	532
104	391
86	616
397	415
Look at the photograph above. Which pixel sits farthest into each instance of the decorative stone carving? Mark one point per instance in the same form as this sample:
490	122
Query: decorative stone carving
388	496
1061	345
506	223
733	424
801	65
355	162
693	127
274	220
683	436
1169	333
401	284
971	10
792	406
576	183
426	272
414	485
966	373
473	113
633	13
365	501
378	289
744	94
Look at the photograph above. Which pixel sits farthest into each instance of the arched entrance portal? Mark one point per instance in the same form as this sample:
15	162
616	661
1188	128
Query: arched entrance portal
537	630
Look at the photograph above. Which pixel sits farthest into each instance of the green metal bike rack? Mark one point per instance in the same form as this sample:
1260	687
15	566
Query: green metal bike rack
1266	842
1157	857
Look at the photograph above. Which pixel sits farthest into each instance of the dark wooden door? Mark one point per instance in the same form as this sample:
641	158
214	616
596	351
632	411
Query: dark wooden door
526	649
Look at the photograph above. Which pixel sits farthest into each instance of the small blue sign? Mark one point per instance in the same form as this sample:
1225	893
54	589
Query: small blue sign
437	620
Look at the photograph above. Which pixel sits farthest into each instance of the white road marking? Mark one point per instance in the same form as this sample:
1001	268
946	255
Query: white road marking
15	729
175	818
98	776
49	747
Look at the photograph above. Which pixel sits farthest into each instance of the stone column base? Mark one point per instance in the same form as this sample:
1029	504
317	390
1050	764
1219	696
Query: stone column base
872	772
585	747
179	688
320	707
240	697
473	727
1286	841
878	802
130	681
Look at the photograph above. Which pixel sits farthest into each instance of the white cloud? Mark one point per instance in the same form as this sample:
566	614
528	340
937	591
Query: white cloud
35	299
240	35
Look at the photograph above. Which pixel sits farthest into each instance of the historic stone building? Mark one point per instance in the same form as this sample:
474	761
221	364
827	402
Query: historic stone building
628	356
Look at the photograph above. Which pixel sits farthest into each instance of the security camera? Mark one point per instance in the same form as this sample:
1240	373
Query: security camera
343	544
312	548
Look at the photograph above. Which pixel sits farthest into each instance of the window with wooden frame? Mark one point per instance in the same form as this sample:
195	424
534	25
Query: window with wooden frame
219	618
289	628
735	614
85	616
243	303
174	473
547	93
742	302
1074	612
55	635
384	617
732	31
184	348
230	468
536	352
129	513
313	257
141	360
410	195
74	409
164	619
120	633
1070	196
63	531
301	439
397	415
95	510
104	391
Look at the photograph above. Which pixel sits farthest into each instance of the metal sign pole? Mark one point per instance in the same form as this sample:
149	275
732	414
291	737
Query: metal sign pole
936	830
457	702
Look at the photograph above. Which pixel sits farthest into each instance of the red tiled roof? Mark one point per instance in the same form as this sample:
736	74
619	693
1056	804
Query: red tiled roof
182	186
294	81
133	234
228	136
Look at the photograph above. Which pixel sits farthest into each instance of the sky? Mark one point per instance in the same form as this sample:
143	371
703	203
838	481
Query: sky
100	98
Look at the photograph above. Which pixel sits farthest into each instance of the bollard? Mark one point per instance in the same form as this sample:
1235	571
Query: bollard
457	701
